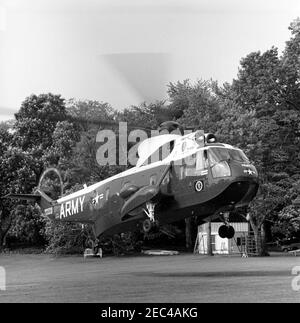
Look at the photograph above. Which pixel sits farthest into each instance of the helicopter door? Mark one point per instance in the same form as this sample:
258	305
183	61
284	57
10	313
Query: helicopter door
202	163
193	168
190	165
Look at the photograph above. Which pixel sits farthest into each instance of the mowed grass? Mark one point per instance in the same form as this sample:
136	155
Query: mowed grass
182	278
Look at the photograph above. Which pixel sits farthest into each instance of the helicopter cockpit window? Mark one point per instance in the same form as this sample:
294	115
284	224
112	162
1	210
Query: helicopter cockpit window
238	155
217	155
218	158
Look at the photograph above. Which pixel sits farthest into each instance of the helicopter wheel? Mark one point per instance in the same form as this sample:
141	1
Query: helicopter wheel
226	231
230	232
223	231
149	226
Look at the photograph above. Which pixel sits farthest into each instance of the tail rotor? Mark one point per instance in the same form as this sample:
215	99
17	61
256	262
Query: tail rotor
51	189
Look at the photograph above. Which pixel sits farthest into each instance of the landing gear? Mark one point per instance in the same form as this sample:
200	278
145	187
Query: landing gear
150	211
150	224
94	248
226	231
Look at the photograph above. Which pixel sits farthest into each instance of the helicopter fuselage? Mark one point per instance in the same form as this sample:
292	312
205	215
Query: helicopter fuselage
200	180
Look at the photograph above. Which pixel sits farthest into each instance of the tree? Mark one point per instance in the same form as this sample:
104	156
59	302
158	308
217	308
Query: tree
86	168
270	199
5	222
287	223
18	175
22	162
5	213
37	119
27	225
179	97
14	173
145	115
88	114
7	125
290	67
89	117
202	107
64	139
261	116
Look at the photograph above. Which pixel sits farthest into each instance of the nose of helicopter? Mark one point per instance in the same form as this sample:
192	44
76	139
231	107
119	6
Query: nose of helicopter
244	171
249	170
245	182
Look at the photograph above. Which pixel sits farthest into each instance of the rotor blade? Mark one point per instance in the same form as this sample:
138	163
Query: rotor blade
25	197
99	122
110	123
145	73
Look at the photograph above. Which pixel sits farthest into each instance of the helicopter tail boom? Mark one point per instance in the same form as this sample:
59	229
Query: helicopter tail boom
42	199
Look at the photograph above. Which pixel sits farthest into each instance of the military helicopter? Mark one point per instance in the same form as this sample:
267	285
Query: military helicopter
198	177
176	176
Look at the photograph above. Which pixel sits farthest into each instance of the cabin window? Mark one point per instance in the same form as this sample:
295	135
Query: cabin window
201	161
190	162
182	172
107	194
153	180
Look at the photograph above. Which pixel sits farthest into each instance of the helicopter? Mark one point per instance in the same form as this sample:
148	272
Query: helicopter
177	175
198	177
